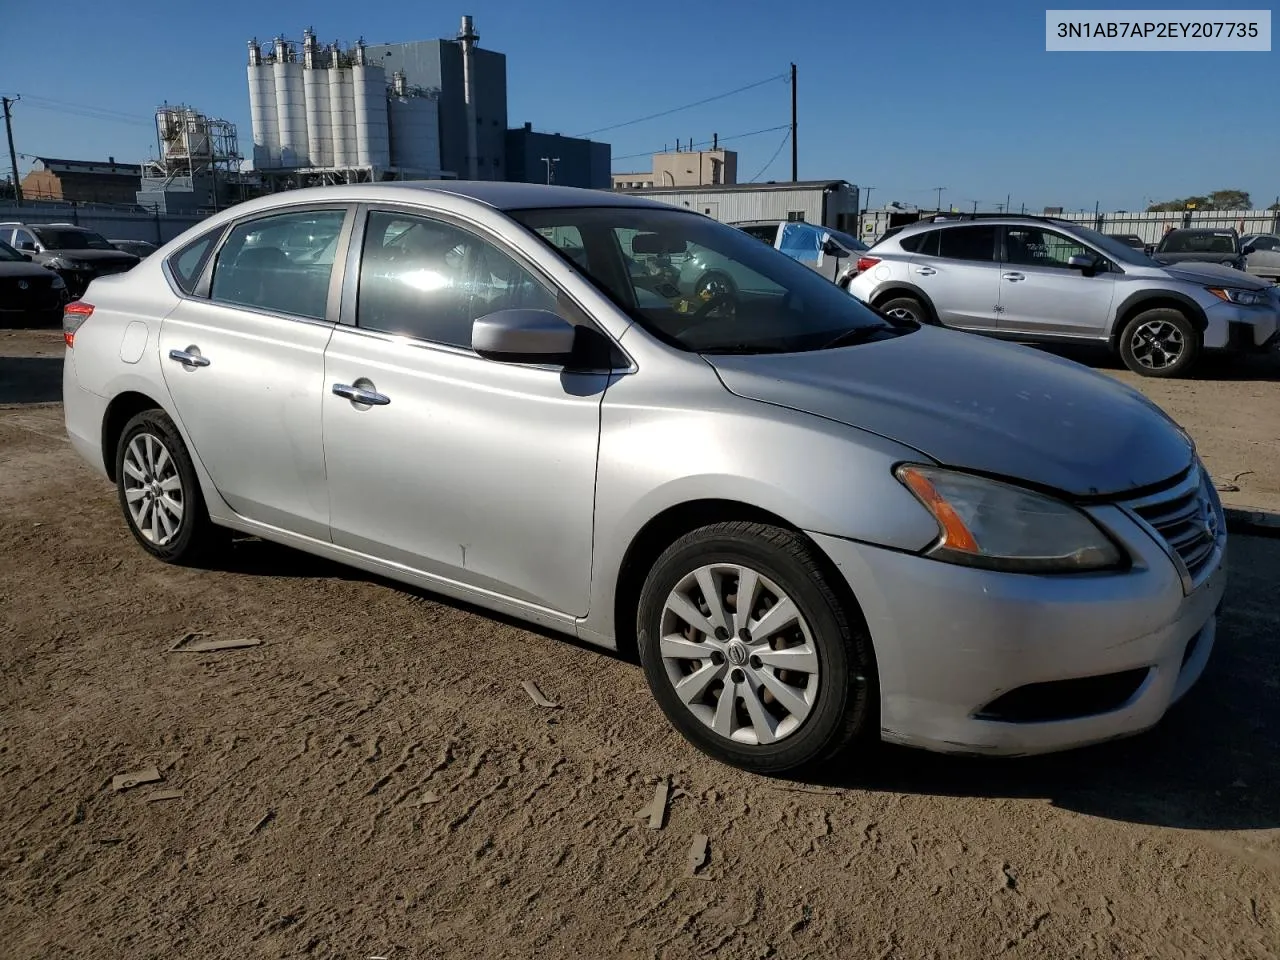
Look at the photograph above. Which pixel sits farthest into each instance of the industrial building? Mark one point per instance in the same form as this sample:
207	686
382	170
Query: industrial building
430	109
829	203
81	181
534	157
197	163
684	168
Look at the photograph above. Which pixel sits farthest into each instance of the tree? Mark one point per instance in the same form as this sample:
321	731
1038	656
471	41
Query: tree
1230	200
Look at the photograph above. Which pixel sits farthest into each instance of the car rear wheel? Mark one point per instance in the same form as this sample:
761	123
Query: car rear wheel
906	308
749	651
159	492
1159	343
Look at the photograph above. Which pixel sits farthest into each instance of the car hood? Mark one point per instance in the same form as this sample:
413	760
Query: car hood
980	405
93	256
1214	273
24	268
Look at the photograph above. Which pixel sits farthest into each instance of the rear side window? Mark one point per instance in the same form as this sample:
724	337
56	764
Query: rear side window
187	264
280	263
977	243
912	243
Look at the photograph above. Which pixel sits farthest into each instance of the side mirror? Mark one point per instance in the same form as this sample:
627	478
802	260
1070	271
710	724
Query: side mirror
1248	248
524	336
1086	263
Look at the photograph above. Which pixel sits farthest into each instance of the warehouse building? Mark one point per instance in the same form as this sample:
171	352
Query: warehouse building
829	203
534	157
82	181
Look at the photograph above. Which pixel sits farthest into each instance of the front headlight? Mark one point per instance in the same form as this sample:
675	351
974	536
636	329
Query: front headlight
1246	298
985	523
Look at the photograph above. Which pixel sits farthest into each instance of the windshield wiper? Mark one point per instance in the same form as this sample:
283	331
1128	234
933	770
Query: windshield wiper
856	335
743	348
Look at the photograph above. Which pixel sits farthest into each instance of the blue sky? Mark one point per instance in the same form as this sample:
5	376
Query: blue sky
899	96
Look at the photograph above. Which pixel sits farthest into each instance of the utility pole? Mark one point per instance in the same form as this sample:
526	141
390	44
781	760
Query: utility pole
13	156
1008	203
1000	208
975	205
939	189
795	156
551	168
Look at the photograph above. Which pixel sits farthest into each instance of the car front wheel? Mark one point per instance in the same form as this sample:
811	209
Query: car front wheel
749	651
1159	343
159	492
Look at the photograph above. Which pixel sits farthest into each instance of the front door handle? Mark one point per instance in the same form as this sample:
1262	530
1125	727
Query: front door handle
926	271
1015	277
361	395
188	359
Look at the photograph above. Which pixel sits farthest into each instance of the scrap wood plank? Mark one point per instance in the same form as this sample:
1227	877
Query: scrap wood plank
191	643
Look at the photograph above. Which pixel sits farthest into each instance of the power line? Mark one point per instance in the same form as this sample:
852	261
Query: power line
785	137
707	143
85	111
687	106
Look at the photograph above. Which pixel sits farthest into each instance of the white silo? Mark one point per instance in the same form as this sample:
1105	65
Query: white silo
291	110
369	84
315	87
262	111
415	129
342	118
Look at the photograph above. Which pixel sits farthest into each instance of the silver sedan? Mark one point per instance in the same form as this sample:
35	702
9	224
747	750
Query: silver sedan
816	525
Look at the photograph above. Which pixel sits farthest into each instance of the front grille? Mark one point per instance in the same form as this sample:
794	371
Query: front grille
38	295
1187	519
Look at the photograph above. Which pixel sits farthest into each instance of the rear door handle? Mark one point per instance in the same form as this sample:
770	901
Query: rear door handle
361	395
1014	276
188	359
926	271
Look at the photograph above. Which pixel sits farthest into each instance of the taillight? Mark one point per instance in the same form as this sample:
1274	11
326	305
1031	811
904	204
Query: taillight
866	263
73	315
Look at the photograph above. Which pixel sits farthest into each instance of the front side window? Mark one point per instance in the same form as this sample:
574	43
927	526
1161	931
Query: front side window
280	263
1036	247
430	280
705	287
55	239
977	243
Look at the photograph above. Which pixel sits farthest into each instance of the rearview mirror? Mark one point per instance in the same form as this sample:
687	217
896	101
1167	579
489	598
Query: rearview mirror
657	244
524	336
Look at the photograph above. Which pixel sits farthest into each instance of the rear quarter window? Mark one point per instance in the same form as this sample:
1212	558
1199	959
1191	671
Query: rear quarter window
187	264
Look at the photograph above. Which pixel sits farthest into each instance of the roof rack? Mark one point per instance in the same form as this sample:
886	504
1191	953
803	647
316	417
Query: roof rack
940	217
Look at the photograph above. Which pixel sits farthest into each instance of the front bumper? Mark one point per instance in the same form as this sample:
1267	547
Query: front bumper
1233	327
952	640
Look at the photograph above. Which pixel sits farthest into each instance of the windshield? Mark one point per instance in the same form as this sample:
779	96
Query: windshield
8	253
1114	249
1192	241
54	239
702	286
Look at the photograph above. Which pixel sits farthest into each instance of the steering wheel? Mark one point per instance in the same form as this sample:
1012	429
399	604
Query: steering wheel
715	300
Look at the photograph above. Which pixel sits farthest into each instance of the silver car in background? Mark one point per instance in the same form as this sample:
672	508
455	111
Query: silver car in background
1041	279
818	525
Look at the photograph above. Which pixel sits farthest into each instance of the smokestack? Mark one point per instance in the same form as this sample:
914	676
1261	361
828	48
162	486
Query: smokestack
467	36
715	141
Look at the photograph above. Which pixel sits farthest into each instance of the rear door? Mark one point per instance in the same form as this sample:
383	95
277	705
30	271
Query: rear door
1041	294
957	267
243	358
1264	261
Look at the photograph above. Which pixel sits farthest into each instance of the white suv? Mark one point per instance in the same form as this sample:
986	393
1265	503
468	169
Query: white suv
1036	278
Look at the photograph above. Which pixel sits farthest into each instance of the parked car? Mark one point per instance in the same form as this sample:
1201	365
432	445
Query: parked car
139	248
1133	240
827	251
77	254
29	293
1262	255
1041	279
1201	246
818	525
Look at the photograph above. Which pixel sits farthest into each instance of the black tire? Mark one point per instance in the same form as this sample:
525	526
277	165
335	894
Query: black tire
1146	341
845	707
194	538
908	307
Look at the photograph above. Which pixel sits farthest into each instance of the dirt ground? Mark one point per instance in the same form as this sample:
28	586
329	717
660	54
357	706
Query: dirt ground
372	781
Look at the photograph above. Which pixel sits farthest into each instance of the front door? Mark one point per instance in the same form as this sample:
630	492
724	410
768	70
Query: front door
957	268
477	472
1041	294
245	367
